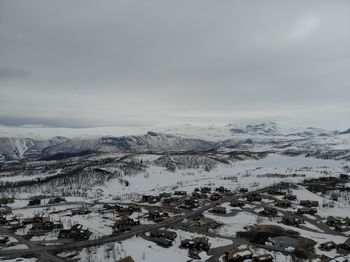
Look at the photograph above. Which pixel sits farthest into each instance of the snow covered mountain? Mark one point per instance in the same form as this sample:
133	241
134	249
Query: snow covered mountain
26	144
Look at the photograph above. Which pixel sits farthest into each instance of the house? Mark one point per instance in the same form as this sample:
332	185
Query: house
345	246
126	259
170	200
205	189
5	210
76	232
199	195
334	197
180	193
333	222
194	254
189	203
290	197
80	211
215	197
263	258
341	228
164	194
292	220
283	204
3	239
243	190
198	243
275	191
254	197
237	203
34	202
163	242
56	200
344	176
269	211
308	203
307	210
15	225
222	189
133	208
35	219
170	235
150	199
218	210
6	201
235	255
157	216
328	246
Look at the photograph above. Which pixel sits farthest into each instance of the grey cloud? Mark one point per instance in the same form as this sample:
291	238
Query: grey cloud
119	62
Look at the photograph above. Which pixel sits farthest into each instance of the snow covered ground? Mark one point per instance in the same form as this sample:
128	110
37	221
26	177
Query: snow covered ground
249	173
143	250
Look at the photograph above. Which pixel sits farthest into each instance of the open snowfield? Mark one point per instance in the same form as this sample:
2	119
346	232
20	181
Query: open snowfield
248	173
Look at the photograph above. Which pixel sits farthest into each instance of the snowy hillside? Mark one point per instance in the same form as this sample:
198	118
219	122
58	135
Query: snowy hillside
40	143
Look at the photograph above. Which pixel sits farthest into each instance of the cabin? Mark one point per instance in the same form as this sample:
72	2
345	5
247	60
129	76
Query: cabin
283	204
164	194
235	255
198	243
170	201
292	220
308	203
263	258
150	199
333	221
16	225
120	228
215	197
218	210
222	189
307	210
36	219
344	176
5	210
80	211
6	201
290	197
269	211
180	193
170	235
56	200
237	203
163	242
194	254
205	189
341	228
3	239
334	197
189	203
76	232
254	197
243	190
34	202
344	246
275	191
126	259
157	216
328	246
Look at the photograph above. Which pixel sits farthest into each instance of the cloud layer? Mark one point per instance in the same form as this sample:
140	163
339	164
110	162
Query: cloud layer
93	63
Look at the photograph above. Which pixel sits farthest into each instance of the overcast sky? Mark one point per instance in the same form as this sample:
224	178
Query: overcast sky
135	63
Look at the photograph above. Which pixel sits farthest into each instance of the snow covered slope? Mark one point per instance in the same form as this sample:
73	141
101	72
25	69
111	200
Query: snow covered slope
38	142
